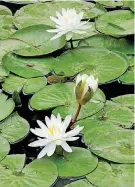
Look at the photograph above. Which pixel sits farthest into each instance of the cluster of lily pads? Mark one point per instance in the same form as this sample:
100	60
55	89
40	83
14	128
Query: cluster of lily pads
43	69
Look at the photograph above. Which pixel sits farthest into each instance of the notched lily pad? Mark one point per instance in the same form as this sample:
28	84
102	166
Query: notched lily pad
80	183
116	23
39	172
6	106
14	128
78	163
40	45
29	86
61	95
116	146
4	147
117	174
113	44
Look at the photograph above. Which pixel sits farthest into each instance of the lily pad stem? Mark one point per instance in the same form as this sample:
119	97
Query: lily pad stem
77	113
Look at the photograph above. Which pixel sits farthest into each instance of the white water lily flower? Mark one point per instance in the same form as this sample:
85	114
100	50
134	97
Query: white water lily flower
85	88
54	134
68	23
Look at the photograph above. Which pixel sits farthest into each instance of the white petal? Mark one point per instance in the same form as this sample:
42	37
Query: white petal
53	30
40	142
44	151
57	36
66	122
54	19
51	149
66	147
42	125
70	139
74	132
38	132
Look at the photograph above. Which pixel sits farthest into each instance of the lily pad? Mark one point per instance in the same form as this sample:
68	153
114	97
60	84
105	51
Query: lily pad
116	114
117	174
4	10
110	3
125	100
25	1
4	147
8	45
40	45
29	86
27	67
6	106
38	172
102	63
78	163
116	146
80	183
116	23
14	128
113	44
3	73
40	13
61	95
128	76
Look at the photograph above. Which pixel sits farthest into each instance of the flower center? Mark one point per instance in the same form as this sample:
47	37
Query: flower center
68	17
53	129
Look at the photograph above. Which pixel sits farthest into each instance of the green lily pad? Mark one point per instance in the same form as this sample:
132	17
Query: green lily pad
117	174
40	45
14	162
4	147
30	14
4	10
3	73
6	106
110	3
78	163
128	76
14	128
125	100
102	63
113	44
29	86
61	95
25	1
116	146
39	172
115	114
27	67
116	23
8	45
80	183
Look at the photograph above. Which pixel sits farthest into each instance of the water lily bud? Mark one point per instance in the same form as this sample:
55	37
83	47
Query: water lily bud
85	88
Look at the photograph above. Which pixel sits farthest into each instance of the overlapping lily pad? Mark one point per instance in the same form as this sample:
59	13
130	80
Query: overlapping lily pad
116	114
27	67
6	106
39	172
80	183
116	146
128	76
110	3
116	23
61	95
14	128
113	44
40	45
78	163
125	100
112	174
29	86
4	147
40	13
4	10
25	1
3	73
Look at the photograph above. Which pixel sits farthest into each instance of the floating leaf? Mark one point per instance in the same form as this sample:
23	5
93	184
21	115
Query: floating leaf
78	163
111	23
27	67
115	114
5	11
110	3
6	106
117	174
14	128
40	13
62	95
3	73
80	183
113	44
25	1
4	147
125	100
116	146
29	86
39	172
40	45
